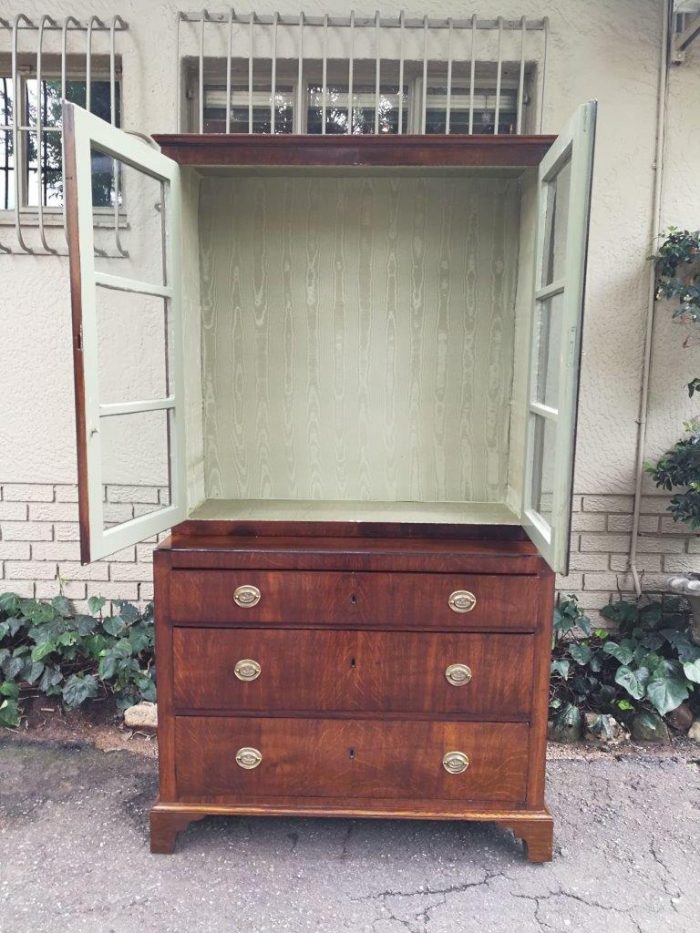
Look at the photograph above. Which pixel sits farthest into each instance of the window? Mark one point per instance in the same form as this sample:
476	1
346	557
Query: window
40	161
249	112
481	105
254	112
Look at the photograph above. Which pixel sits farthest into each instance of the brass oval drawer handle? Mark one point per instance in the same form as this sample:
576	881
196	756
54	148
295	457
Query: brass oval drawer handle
458	674
461	601
246	596
247	669
455	762
248	758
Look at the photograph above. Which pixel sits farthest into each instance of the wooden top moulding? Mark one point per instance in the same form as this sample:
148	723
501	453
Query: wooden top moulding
216	149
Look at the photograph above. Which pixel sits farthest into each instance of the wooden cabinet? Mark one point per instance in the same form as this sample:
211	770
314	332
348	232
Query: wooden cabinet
353	692
352	400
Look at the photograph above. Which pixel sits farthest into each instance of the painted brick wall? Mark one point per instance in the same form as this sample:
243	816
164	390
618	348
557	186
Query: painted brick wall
39	549
39	546
600	543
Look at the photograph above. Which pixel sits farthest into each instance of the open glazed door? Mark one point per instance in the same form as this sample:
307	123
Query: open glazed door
126	334
564	189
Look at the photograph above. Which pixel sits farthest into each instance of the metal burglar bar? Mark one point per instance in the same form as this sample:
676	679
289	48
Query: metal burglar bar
255	73
32	40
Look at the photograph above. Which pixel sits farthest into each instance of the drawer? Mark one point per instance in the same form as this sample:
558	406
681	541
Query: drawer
352	670
398	600
341	758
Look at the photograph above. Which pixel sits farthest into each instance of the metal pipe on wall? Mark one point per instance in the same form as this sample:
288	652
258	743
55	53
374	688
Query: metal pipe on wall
655	224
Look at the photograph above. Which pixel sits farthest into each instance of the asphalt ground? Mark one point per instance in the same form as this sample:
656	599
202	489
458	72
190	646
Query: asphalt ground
74	856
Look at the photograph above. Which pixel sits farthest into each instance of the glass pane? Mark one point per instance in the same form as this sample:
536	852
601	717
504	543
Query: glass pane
135	465
556	224
215	109
543	445
363	104
139	372
547	345
47	153
483	111
7	159
140	200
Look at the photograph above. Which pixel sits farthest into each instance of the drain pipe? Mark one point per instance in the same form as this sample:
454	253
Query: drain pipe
649	329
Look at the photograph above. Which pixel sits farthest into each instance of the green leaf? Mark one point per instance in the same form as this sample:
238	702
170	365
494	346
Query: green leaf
652	641
43	650
62	606
4	629
37	612
95	604
9	603
625	705
582	654
79	688
602	633
141	637
11	667
50	680
623	653
634	682
85	625
667	689
33	671
9	689
128	612
561	667
113	625
9	713
691	669
146	687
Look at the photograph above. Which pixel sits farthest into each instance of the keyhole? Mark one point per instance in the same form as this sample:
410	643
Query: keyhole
353	599
351	753
353	663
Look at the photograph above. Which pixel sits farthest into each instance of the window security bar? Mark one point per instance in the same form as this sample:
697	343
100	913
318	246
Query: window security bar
261	49
18	126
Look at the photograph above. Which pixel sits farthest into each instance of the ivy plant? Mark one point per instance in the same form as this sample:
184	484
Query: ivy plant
678	272
678	280
659	665
679	468
47	648
650	662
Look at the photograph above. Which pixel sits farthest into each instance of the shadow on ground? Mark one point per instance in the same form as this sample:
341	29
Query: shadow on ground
73	838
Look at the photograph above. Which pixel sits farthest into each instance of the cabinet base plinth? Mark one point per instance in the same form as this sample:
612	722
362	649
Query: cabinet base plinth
534	828
536	832
166	823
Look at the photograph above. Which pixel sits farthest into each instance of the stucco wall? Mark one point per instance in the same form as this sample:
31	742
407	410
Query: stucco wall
603	49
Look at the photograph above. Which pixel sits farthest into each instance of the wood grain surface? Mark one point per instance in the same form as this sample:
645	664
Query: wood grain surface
336	758
378	672
396	600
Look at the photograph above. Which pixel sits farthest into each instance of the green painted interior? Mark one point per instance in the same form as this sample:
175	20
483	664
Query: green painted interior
358	337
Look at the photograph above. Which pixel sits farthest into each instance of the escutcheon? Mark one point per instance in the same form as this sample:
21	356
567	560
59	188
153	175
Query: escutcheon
461	601
458	674
246	596
455	762
248	758
247	669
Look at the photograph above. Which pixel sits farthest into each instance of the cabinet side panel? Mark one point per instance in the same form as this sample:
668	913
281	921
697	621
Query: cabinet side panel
523	316
164	675
192	337
540	692
358	336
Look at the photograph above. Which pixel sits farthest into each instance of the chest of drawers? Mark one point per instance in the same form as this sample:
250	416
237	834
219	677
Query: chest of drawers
355	676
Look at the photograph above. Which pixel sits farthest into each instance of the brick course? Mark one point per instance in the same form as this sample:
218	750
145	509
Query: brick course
39	546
